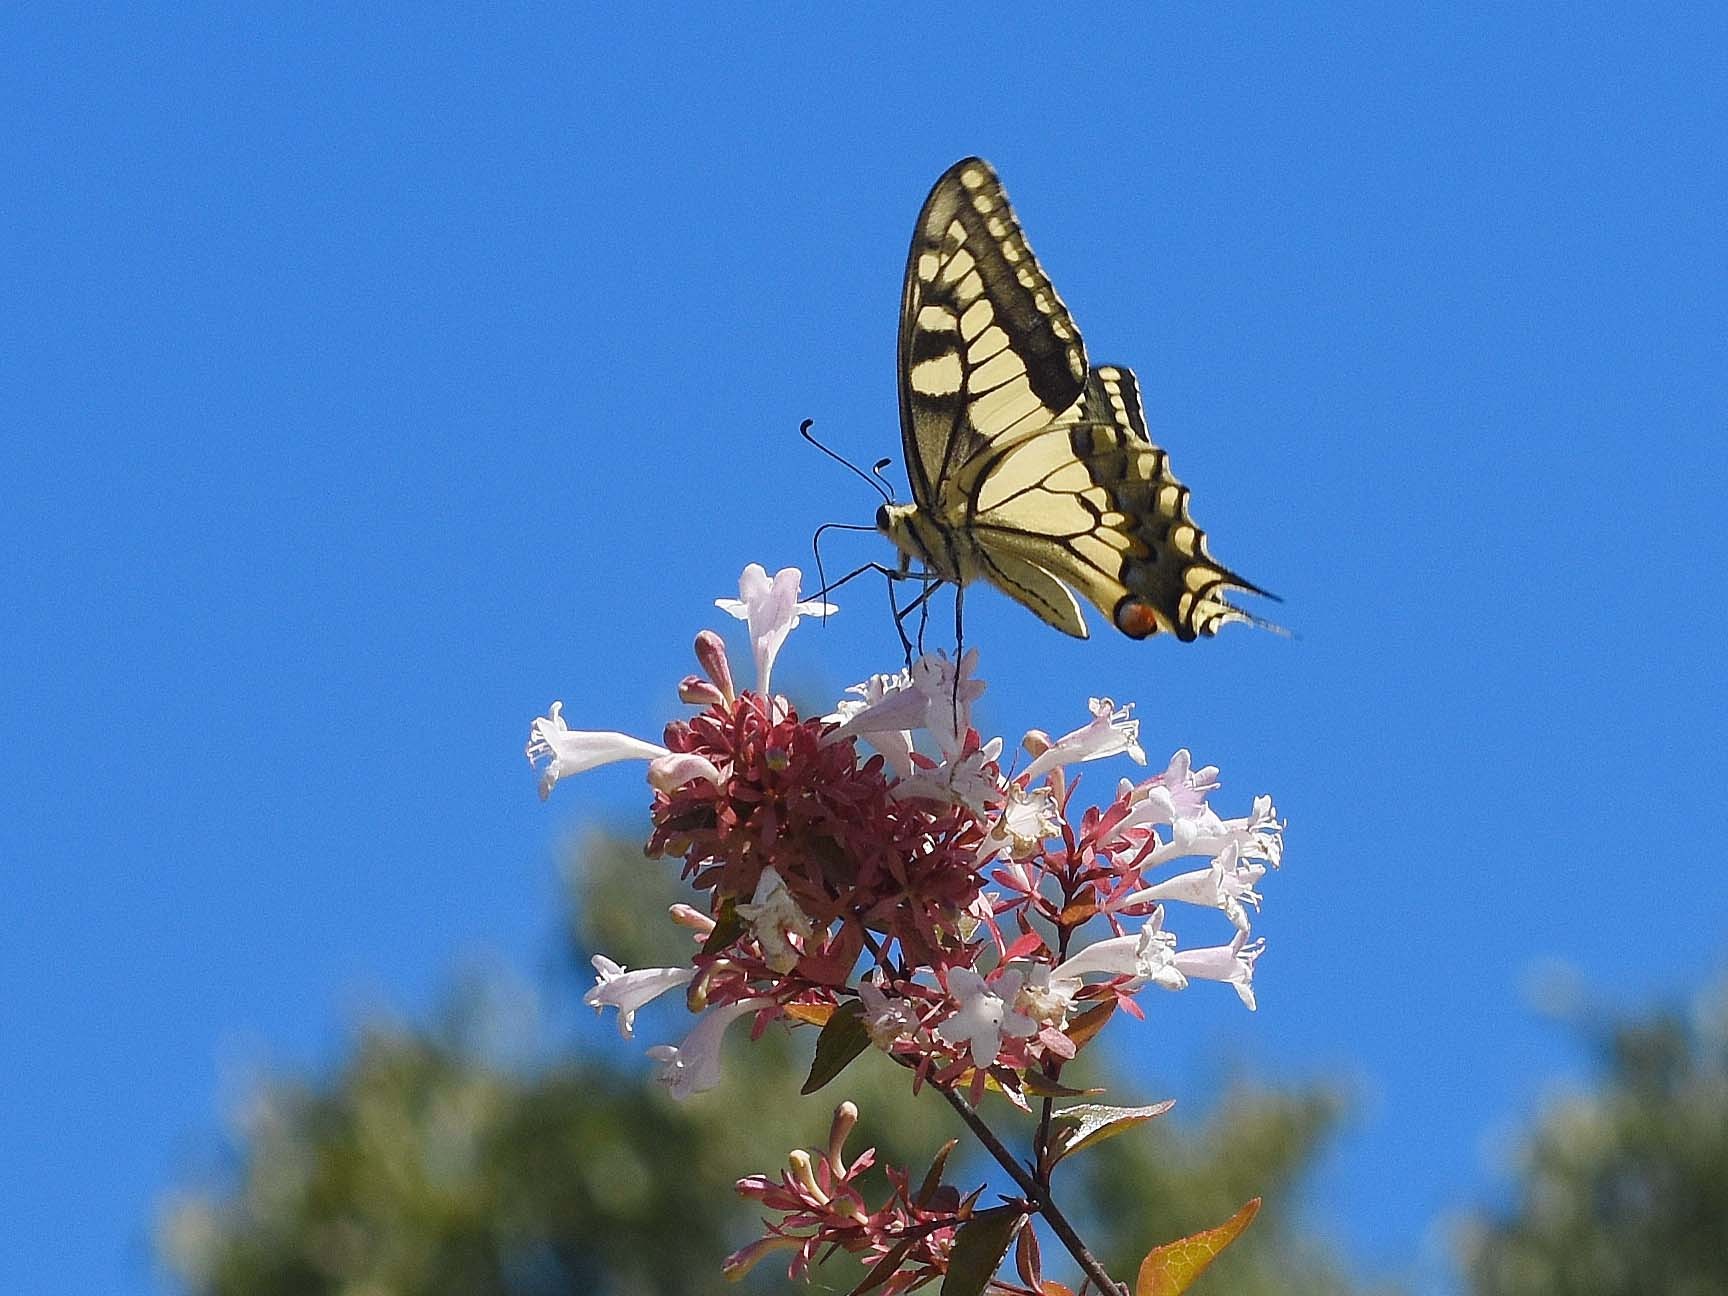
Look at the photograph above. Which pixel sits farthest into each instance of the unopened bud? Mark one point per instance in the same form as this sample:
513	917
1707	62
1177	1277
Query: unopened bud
845	1117
697	921
711	652
717	973
697	691
804	1175
670	772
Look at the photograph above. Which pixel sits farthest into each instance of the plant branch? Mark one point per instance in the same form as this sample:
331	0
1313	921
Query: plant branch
1035	1192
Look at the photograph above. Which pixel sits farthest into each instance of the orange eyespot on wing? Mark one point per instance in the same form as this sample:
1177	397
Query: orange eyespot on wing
1135	617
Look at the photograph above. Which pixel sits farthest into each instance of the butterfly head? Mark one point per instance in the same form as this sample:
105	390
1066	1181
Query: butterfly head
917	537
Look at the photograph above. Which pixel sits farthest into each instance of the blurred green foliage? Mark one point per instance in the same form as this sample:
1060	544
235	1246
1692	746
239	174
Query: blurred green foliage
1623	1191
433	1162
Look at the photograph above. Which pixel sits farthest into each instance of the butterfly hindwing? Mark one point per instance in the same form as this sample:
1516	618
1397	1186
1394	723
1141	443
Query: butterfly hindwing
1090	500
987	349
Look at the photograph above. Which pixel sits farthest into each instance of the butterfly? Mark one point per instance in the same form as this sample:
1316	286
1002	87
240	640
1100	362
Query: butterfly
1029	468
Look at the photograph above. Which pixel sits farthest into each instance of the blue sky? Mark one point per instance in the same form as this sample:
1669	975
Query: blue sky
368	384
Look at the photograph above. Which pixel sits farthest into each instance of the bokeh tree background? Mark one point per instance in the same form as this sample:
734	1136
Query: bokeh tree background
458	1158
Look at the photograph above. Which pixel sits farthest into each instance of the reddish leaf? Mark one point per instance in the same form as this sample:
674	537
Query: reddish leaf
933	1180
884	1269
1082	1028
1171	1269
1023	947
1027	1262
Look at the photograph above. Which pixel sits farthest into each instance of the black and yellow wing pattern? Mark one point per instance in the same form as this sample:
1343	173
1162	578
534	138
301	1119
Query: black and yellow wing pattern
1028	467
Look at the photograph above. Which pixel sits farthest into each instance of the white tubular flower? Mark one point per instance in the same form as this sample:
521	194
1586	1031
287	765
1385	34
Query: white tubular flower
770	608
693	1066
628	991
1175	797
935	677
966	781
885	712
1256	836
569	751
887	1020
1149	956
1111	732
1027	819
773	915
1044	1000
1228	884
984	1016
1232	964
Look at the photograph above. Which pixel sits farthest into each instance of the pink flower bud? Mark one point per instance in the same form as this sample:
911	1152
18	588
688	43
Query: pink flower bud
697	691
845	1117
671	772
697	921
711	652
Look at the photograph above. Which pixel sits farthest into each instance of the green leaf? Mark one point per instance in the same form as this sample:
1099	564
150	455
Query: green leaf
841	1040
1080	1126
979	1245
1043	1086
728	927
1171	1269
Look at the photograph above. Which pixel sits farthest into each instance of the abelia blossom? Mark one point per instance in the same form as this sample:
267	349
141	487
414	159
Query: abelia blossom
885	713
774	915
1227	884
1146	957
629	991
887	1020
1232	964
950	691
985	1015
955	902
569	751
1111	732
771	608
693	1065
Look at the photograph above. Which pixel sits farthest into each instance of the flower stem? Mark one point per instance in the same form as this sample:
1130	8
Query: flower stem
1035	1192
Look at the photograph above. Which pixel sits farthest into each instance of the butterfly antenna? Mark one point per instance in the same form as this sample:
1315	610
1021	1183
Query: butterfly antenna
804	431
876	472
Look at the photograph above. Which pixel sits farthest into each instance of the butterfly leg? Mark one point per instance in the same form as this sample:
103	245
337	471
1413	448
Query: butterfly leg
959	649
920	604
899	618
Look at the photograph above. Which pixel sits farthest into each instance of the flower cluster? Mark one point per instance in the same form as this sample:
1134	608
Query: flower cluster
884	869
821	1204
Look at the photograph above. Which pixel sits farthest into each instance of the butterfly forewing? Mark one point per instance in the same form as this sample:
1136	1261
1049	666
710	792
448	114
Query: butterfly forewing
987	349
